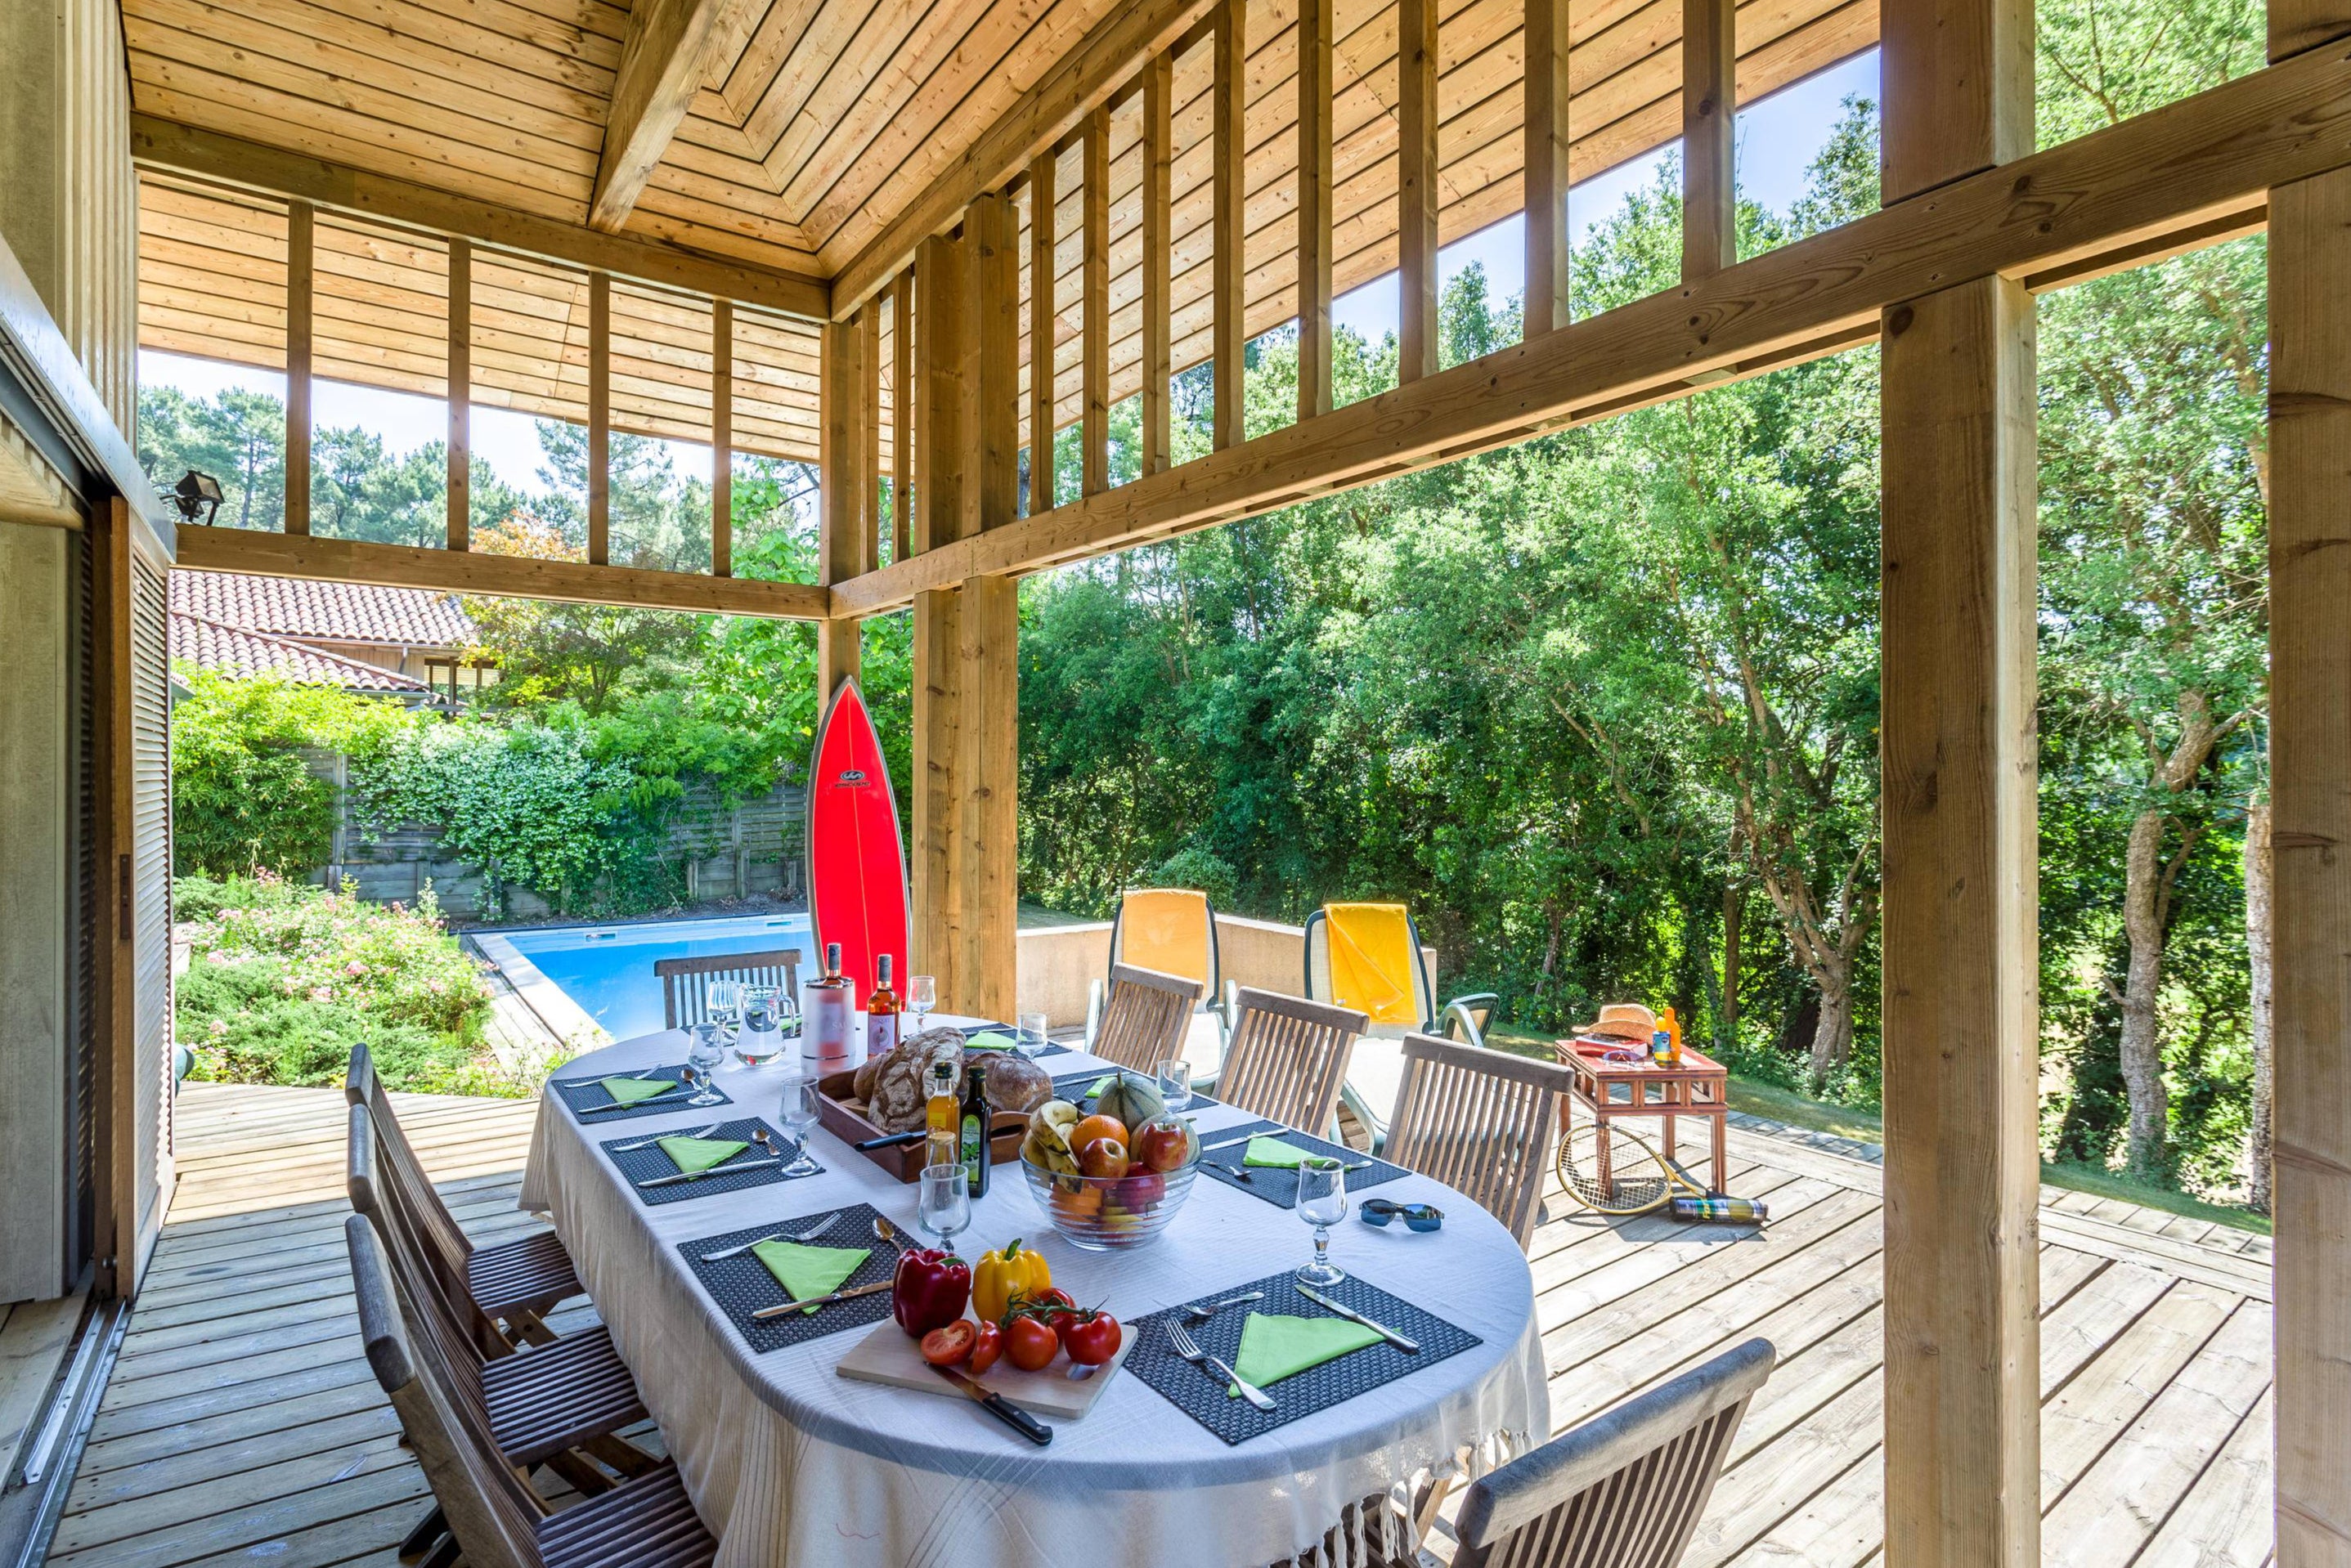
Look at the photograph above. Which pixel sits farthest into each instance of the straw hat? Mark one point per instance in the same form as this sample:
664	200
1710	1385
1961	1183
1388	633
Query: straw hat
1622	1021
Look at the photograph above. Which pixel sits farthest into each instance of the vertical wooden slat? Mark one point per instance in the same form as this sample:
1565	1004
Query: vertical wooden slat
1094	269
599	419
1416	194
1957	757
299	254
1229	138
987	794
1709	78
992	388
722	437
869	435
902	414
841	549
459	387
1313	208
1546	165
1158	239
1041	332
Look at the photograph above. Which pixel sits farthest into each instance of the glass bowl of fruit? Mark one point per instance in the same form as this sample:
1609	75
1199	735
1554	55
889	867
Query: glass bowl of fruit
1104	1183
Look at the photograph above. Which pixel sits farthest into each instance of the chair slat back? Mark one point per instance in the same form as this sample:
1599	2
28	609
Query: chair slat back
1625	1490
1287	1058
404	1184
1145	1019
1481	1121
479	1494
450	1317
685	982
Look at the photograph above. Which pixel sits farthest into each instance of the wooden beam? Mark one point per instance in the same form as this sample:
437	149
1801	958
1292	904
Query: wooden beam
1042	331
1546	166
164	144
1314	185
599	420
722	439
664	58
986	875
1709	183
938	380
1093	271
205	549
1417	197
2166	172
301	315
1085	77
1229	287
1158	242
902	414
459	393
991	460
1943	121
841	550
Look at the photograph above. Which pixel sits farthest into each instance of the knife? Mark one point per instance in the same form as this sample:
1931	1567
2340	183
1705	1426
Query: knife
788	1308
1004	1410
633	1105
714	1171
1352	1315
896	1140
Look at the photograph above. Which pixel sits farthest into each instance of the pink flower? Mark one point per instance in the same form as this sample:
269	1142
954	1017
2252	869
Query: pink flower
322	993
355	968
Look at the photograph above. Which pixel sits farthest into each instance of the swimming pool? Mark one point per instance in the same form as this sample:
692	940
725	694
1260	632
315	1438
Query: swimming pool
609	969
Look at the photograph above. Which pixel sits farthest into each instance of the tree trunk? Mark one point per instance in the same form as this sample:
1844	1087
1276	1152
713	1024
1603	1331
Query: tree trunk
2258	939
1734	906
1833	1037
2142	1047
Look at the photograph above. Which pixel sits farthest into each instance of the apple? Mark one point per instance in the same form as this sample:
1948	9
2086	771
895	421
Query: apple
1138	1192
1103	1157
1164	1144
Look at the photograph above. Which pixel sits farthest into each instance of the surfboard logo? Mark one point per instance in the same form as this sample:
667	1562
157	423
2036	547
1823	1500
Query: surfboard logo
852	776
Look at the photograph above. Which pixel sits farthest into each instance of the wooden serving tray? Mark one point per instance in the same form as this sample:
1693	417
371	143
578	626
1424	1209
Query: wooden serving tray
843	1114
890	1356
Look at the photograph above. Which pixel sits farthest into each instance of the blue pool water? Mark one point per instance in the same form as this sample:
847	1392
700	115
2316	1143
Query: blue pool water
609	969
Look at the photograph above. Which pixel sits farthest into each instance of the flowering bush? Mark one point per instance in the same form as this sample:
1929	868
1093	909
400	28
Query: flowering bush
285	978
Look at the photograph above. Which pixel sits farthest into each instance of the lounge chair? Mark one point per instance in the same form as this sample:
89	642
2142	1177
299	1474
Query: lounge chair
1369	957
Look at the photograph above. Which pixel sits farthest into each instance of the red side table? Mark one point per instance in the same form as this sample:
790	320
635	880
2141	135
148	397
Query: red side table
1696	1085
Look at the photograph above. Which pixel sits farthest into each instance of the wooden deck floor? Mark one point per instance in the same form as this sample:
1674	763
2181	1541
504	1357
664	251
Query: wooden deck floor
241	1425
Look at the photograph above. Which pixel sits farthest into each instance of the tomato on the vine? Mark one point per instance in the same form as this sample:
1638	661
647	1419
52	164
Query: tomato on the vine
950	1343
1029	1343
1091	1339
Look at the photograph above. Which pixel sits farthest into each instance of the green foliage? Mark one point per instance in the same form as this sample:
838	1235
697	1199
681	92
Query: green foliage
1192	868
284	979
243	797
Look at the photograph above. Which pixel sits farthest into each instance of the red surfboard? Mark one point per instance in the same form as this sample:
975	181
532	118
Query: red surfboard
857	864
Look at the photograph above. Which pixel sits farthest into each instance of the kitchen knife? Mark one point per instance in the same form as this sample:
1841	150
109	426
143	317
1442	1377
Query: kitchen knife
1004	1410
896	1140
1352	1315
788	1308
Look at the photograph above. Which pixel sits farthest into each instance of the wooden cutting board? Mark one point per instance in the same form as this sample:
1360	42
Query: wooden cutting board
890	1356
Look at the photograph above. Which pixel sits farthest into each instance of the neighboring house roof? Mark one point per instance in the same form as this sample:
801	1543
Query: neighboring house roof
236	651
316	611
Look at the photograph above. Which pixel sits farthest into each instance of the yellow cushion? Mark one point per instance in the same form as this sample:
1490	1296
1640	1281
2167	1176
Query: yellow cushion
1165	929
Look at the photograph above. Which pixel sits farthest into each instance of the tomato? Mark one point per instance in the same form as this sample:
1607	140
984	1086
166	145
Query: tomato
1030	1344
1091	1339
987	1347
949	1343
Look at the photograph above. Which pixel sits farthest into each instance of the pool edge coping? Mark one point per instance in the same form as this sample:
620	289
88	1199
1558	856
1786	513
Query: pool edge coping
566	1018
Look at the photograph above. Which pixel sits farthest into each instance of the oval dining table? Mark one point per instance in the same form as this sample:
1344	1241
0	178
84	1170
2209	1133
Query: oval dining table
789	1464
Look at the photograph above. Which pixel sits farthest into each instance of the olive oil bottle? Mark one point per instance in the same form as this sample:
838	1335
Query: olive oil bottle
975	1153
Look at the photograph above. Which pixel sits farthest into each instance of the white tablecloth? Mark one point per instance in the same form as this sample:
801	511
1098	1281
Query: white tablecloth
791	1464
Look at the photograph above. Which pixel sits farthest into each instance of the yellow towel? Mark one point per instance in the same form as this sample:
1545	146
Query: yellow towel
1372	962
1165	929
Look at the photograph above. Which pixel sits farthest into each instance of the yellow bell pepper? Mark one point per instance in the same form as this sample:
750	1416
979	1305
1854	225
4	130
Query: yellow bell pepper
1004	1277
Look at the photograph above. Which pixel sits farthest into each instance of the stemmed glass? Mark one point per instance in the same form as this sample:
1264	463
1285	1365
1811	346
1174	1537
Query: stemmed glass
922	995
1174	1077
706	1052
723	1002
1032	1039
800	1112
943	1209
1322	1203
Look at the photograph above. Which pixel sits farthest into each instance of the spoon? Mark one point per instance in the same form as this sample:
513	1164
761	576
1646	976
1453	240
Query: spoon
1203	1314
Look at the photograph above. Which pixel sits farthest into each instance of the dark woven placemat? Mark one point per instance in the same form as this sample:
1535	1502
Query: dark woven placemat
1199	1392
1073	1088
742	1284
585	1094
644	1164
1276	1184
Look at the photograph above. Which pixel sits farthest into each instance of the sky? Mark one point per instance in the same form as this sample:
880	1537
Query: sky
1778	138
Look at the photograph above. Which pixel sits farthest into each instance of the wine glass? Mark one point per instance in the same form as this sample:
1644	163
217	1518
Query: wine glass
943	1209
1032	1039
761	1040
1322	1203
722	999
706	1051
922	995
1174	1077
800	1111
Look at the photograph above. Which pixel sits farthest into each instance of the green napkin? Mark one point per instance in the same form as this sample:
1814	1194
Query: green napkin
701	1153
628	1091
990	1042
808	1271
1272	1151
1274	1347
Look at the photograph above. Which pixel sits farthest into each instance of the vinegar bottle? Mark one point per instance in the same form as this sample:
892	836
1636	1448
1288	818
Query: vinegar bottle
944	1142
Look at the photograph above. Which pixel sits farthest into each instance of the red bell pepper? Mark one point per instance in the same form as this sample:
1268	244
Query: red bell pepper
930	1290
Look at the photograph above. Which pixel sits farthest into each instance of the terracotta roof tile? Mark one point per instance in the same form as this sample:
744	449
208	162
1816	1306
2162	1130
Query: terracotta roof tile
235	651
338	612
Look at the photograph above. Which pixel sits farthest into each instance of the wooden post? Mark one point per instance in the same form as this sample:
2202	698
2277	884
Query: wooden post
841	549
986	851
1094	269
991	459
936	674
1230	44
1158	238
458	385
1313	208
1417	195
1709	79
599	419
902	414
1959	759
1041	332
722	437
1546	165
299	318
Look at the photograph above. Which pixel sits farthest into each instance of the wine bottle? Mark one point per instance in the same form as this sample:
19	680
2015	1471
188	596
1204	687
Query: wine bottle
881	1011
828	1042
976	1119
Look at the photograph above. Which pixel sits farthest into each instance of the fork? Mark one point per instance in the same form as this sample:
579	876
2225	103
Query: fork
649	1142
810	1234
1190	1349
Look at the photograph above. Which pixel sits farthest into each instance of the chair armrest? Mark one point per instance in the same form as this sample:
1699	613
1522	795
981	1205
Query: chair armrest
1096	996
1465	1010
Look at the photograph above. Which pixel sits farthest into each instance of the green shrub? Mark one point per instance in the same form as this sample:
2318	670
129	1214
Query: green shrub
1192	866
243	798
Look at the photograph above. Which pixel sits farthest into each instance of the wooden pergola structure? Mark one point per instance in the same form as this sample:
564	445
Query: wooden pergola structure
967	227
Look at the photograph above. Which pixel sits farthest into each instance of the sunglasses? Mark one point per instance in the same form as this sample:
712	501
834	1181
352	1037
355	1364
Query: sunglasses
1421	1217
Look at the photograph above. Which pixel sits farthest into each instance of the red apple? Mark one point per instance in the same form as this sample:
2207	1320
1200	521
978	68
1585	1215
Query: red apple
1163	1145
1141	1190
1103	1157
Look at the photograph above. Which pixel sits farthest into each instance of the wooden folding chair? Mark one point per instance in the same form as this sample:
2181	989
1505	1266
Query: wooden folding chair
1481	1121
1626	1489
514	1282
494	1519
685	982
1287	1058
1146	1018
